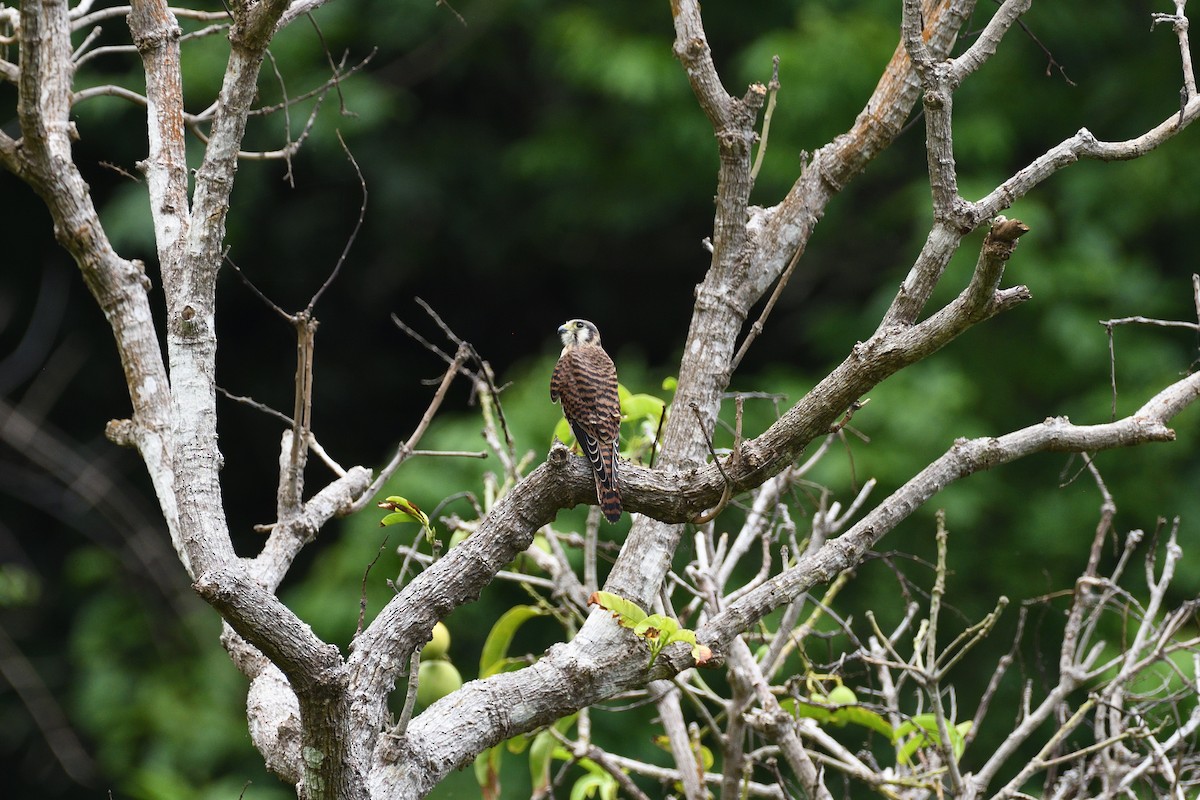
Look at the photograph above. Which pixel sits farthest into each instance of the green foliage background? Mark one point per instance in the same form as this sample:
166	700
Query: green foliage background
545	161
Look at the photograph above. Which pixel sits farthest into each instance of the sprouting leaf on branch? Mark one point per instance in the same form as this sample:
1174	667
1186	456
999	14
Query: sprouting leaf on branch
657	630
626	612
404	510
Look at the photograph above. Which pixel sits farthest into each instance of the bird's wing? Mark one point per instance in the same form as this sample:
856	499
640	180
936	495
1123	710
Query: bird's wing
556	380
588	391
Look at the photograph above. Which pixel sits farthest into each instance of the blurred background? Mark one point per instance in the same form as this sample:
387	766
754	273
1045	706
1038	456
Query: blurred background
527	162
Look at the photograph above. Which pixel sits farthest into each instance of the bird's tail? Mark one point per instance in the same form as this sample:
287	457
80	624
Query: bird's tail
603	459
610	501
608	488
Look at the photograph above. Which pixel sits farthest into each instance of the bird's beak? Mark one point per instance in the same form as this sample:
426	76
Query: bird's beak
562	329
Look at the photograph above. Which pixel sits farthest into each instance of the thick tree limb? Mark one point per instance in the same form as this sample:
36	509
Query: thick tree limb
288	537
156	34
263	621
119	285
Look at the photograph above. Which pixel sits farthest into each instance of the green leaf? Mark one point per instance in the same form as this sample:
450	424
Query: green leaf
643	406
541	753
924	730
842	695
404	510
847	715
597	782
926	722
493	658
487	772
866	718
700	653
958	741
563	432
657	626
807	708
917	723
586	786
508	664
626	612
684	635
670	383
905	753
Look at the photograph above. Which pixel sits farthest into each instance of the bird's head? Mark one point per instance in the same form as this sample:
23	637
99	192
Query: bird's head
578	331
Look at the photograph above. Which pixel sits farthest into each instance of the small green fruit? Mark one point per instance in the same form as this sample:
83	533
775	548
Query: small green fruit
439	645
435	680
842	696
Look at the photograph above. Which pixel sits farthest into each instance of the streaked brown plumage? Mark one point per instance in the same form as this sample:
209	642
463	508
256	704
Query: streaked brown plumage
585	381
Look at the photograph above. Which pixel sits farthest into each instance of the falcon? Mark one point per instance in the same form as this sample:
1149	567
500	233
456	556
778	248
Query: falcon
585	381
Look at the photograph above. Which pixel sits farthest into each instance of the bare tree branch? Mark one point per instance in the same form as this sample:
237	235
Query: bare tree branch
1148	424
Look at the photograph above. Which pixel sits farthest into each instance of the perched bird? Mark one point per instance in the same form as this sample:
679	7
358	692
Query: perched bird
585	380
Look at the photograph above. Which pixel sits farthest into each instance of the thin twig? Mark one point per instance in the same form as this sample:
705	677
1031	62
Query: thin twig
444	4
362	213
773	89
256	405
757	327
362	597
727	492
318	91
662	417
410	697
1109	324
404	451
287	120
256	291
428	345
1161	323
451	453
334	68
485	371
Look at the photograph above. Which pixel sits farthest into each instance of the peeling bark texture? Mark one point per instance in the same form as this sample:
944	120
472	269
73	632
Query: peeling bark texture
320	717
